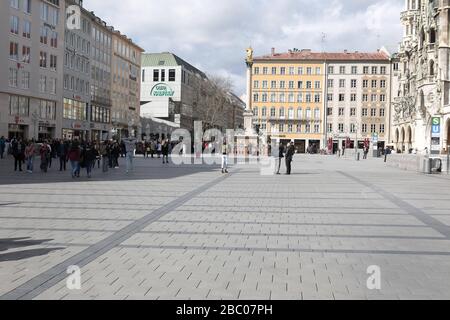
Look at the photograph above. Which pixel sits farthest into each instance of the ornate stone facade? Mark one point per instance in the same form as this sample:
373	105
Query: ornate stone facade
421	90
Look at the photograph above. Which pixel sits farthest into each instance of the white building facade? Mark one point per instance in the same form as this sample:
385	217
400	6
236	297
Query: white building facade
357	100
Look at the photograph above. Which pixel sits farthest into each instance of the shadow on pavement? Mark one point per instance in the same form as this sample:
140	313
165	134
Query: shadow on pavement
13	243
144	169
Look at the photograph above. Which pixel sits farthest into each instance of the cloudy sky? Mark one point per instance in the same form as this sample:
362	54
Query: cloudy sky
213	35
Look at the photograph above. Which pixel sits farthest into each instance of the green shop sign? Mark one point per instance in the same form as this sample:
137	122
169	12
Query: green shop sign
162	90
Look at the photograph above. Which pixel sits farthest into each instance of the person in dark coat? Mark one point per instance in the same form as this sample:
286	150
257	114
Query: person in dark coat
63	149
280	157
18	151
289	158
88	155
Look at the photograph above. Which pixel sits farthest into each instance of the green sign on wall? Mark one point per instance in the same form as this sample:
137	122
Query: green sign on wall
162	90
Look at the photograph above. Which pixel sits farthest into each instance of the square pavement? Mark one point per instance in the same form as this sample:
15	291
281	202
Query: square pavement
189	232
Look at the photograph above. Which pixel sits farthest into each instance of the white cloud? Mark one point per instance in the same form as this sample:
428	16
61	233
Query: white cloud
213	35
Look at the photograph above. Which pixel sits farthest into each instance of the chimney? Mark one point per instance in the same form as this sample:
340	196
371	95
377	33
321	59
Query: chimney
273	52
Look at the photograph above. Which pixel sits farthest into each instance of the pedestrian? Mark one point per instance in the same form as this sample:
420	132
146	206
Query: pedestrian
105	154
29	156
289	158
366	152
123	149
130	147
115	155
387	151
159	149
45	155
165	151
74	156
62	155
18	150
152	148
2	146
88	156
224	157
280	156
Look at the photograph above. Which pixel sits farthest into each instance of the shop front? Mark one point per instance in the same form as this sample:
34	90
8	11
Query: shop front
100	132
76	130
18	128
46	131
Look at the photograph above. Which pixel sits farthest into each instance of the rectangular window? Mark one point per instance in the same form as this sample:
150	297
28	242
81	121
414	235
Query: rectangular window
354	83
365	97
317	84
265	70
308	85
53	62
274	70
308	70
341	97
155	75
373	128
330	83
291	71
26	53
44	35
382	128
383	83
364	128
383	70
282	84
373	98
52	85
317	98
300	84
300	71
341	112
353	112
43	84
283	71
365	112
382	98
366	70
373	112
353	97
331	70
13	77
354	70
330	127
374	70
14	4
341	127
342	83
163	75
44	11
318	71
43	59
14	51
330	97
382	112
256	85
26	29
256	70
342	70
365	83
273	84
27	6
329	111
264	84
172	75
14	24
54	40
374	83
25	80
291	84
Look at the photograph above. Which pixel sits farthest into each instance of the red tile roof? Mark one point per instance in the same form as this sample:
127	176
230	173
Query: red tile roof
329	56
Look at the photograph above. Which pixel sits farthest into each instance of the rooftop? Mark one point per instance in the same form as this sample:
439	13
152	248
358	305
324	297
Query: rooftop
168	59
307	54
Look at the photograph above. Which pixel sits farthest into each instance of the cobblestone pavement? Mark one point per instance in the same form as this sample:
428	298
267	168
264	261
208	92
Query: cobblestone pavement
189	232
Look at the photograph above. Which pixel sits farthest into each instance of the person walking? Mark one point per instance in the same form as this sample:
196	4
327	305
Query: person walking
366	152
387	151
2	146
152	148
88	155
74	156
224	157
62	155
29	156
105	153
45	156
130	147
159	149
115	154
289	158
18	150
165	151
280	156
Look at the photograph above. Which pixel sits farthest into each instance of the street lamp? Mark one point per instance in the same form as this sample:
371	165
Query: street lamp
35	118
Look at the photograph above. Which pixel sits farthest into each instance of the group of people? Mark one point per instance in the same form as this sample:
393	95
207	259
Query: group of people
80	154
287	153
160	148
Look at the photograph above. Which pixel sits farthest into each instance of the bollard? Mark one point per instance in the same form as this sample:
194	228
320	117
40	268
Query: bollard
358	156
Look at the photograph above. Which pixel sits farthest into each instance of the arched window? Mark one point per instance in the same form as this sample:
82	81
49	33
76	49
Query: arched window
431	68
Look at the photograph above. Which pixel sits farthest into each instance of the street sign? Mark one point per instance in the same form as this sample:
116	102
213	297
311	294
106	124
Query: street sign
436	127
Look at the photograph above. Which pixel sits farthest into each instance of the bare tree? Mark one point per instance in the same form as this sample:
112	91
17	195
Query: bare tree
214	106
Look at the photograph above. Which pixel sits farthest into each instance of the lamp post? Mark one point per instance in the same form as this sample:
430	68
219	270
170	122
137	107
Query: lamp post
35	118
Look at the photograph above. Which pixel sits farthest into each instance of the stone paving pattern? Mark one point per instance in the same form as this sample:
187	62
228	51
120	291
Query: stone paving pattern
188	232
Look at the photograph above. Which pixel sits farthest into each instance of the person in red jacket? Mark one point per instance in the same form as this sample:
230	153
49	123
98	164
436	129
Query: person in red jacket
74	156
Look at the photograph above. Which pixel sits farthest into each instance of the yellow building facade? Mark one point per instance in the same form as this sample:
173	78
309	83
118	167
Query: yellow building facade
288	101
